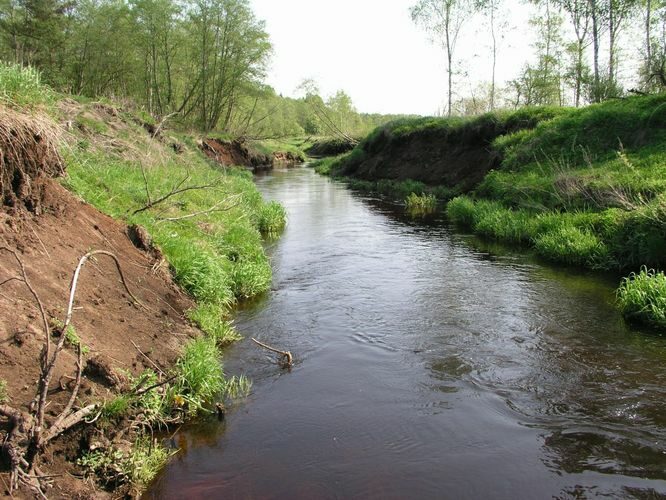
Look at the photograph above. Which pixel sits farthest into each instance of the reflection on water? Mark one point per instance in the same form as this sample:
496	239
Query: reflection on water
427	366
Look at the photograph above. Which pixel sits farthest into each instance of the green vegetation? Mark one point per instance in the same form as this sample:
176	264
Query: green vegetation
582	187
272	218
208	223
137	467
642	297
421	204
22	86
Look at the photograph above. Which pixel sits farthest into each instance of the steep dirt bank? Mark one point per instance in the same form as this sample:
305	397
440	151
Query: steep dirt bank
329	147
239	153
454	154
49	230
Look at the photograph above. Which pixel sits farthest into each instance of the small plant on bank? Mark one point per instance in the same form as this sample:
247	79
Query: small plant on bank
209	318
137	467
200	377
421	203
272	218
642	297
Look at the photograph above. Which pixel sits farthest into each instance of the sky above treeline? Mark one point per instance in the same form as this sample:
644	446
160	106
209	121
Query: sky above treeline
373	51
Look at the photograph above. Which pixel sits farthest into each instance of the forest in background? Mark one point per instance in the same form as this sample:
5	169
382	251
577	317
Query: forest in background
203	62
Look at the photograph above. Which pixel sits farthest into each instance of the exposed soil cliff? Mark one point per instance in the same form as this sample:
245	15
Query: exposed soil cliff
239	153
451	153
48	230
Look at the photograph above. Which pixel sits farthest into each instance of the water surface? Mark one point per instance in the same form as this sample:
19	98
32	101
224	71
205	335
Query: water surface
426	367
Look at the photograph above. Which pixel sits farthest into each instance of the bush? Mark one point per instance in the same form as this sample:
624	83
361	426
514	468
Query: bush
462	210
642	297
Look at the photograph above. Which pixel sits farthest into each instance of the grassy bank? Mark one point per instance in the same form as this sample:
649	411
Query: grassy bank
209	225
205	227
582	187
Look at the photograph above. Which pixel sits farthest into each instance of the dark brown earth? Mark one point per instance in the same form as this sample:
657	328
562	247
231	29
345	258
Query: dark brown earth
436	157
120	335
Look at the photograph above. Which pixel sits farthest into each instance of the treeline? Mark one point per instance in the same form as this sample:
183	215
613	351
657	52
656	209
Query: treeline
201	61
584	51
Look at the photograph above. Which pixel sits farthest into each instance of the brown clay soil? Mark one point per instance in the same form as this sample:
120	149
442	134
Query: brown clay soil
120	335
239	153
50	245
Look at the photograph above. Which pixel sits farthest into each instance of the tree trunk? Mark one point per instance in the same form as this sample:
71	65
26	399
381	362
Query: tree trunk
595	47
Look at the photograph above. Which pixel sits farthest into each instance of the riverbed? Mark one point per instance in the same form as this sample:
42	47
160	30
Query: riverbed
427	365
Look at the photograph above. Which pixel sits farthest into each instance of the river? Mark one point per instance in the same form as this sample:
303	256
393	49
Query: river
426	366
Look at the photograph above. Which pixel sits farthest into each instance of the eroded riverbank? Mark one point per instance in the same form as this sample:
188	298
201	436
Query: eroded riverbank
427	367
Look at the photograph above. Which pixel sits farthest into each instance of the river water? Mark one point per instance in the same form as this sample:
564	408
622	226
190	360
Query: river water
426	366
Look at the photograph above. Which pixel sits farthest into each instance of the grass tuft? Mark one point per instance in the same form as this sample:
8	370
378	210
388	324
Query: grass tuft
642	297
21	86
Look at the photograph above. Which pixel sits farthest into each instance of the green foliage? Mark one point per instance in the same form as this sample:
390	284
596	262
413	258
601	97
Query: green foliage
571	245
138	467
117	407
423	203
237	387
200	378
323	166
642	297
209	317
272	217
22	86
219	264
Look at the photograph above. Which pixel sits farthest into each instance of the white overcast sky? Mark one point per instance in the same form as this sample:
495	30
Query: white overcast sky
373	51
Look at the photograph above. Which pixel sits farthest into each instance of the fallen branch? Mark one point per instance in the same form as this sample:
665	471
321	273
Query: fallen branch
176	189
27	435
201	212
161	124
286	359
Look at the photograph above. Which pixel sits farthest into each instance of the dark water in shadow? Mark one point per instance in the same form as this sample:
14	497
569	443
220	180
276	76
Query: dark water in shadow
427	367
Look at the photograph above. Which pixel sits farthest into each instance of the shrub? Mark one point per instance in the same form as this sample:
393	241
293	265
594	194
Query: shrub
462	210
642	297
422	202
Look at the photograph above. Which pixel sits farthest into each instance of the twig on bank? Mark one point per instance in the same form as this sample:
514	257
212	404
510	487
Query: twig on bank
210	210
146	356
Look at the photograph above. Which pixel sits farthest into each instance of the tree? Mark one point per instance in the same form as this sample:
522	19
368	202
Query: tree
229	51
443	19
496	23
580	16
158	41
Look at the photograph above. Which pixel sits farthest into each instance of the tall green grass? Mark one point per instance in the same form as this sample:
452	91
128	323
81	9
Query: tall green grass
642	297
21	86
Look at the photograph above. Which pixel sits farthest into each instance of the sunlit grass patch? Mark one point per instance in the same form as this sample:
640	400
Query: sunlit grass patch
272	217
420	204
642	297
21	86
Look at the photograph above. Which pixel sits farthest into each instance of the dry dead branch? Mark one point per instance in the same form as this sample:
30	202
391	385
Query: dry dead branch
28	434
286	360
176	189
